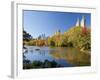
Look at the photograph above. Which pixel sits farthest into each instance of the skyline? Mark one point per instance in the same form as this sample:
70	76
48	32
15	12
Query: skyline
48	22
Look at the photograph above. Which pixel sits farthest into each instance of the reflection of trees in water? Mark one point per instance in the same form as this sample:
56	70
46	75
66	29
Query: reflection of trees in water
42	52
25	51
26	62
31	51
70	55
73	56
58	53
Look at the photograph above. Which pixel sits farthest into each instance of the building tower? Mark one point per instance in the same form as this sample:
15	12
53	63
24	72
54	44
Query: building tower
83	24
58	32
78	22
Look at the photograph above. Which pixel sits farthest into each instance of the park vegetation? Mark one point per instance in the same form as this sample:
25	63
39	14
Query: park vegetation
74	37
39	64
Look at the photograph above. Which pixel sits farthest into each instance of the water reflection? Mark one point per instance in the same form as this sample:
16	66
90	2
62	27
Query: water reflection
61	56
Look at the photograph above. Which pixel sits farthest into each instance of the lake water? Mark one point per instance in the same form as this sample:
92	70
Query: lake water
64	56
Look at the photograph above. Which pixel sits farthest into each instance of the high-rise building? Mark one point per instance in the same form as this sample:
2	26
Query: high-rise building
78	22
82	24
58	32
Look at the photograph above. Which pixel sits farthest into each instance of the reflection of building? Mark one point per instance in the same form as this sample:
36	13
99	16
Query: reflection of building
82	24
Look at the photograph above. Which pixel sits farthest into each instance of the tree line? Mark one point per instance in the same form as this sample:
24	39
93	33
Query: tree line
71	38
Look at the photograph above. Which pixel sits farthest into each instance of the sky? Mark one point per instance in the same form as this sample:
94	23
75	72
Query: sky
48	22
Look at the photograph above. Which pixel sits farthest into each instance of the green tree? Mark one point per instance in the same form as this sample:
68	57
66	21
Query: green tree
26	36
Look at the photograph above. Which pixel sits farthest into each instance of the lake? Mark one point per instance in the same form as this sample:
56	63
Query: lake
62	56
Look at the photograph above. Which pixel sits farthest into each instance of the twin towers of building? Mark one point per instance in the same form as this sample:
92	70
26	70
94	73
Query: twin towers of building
82	22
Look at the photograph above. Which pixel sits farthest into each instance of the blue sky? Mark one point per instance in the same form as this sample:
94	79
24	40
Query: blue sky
48	22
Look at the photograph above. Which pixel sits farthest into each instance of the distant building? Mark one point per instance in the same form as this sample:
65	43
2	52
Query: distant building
42	37
78	22
82	24
83	21
58	32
